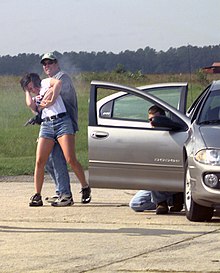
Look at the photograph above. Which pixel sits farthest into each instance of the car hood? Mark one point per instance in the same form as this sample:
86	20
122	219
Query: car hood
210	135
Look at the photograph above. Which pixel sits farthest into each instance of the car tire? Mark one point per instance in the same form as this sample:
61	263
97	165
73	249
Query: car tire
194	211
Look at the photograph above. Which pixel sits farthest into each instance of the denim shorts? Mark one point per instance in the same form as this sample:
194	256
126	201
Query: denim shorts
56	128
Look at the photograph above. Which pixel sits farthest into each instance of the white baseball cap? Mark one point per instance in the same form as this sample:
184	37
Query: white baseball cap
48	56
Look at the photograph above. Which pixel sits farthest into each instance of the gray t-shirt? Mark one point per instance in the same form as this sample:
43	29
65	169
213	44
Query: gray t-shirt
69	97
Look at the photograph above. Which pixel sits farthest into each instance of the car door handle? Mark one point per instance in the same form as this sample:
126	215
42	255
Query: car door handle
99	134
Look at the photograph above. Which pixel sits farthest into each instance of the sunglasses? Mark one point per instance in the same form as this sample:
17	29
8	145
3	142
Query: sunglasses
47	63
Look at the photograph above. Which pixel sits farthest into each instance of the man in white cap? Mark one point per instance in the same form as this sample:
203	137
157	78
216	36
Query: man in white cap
56	165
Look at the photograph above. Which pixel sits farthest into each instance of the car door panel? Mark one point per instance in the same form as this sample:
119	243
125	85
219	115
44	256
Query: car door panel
136	158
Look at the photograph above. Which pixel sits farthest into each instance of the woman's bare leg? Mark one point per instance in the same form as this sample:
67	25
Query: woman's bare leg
67	143
44	148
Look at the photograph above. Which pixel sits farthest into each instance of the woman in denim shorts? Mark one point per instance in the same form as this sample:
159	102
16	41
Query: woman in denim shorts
56	126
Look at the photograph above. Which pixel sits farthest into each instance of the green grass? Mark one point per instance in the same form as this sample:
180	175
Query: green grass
18	143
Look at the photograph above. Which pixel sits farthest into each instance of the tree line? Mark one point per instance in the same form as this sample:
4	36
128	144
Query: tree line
184	59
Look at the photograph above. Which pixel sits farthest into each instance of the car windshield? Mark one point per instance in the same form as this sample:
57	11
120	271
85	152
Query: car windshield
210	112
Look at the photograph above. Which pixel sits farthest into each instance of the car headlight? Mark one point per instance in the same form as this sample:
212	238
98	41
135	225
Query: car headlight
211	157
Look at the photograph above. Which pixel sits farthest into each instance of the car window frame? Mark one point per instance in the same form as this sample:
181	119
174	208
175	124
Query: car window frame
93	111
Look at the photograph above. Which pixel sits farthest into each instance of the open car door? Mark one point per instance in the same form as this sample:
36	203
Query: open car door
125	152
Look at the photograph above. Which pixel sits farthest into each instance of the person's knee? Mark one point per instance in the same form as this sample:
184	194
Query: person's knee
141	205
135	206
40	162
71	161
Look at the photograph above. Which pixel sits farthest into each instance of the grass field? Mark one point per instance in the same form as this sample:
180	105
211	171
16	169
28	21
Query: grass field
18	143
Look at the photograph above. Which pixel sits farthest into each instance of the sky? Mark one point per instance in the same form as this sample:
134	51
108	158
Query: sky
39	26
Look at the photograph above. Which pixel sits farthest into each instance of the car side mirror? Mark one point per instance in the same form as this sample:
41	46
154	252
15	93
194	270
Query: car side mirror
165	122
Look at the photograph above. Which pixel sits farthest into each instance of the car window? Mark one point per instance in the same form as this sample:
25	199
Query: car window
211	107
127	107
173	95
131	107
120	106
169	95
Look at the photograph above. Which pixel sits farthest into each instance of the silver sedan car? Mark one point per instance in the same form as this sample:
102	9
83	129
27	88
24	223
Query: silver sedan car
181	152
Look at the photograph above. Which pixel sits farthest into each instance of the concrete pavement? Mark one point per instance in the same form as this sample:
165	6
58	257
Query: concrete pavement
103	236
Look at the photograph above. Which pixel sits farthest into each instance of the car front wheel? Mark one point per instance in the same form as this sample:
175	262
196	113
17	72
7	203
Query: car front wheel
194	211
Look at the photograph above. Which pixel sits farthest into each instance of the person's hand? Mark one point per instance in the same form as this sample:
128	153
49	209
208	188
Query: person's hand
48	95
46	101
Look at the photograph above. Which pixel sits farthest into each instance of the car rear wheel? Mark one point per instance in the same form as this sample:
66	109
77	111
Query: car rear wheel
194	211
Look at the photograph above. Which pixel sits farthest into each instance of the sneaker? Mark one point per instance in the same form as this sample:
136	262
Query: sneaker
162	208
86	195
51	199
36	200
178	200
63	201
176	208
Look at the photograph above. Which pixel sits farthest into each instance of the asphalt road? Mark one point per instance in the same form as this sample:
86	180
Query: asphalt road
103	236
